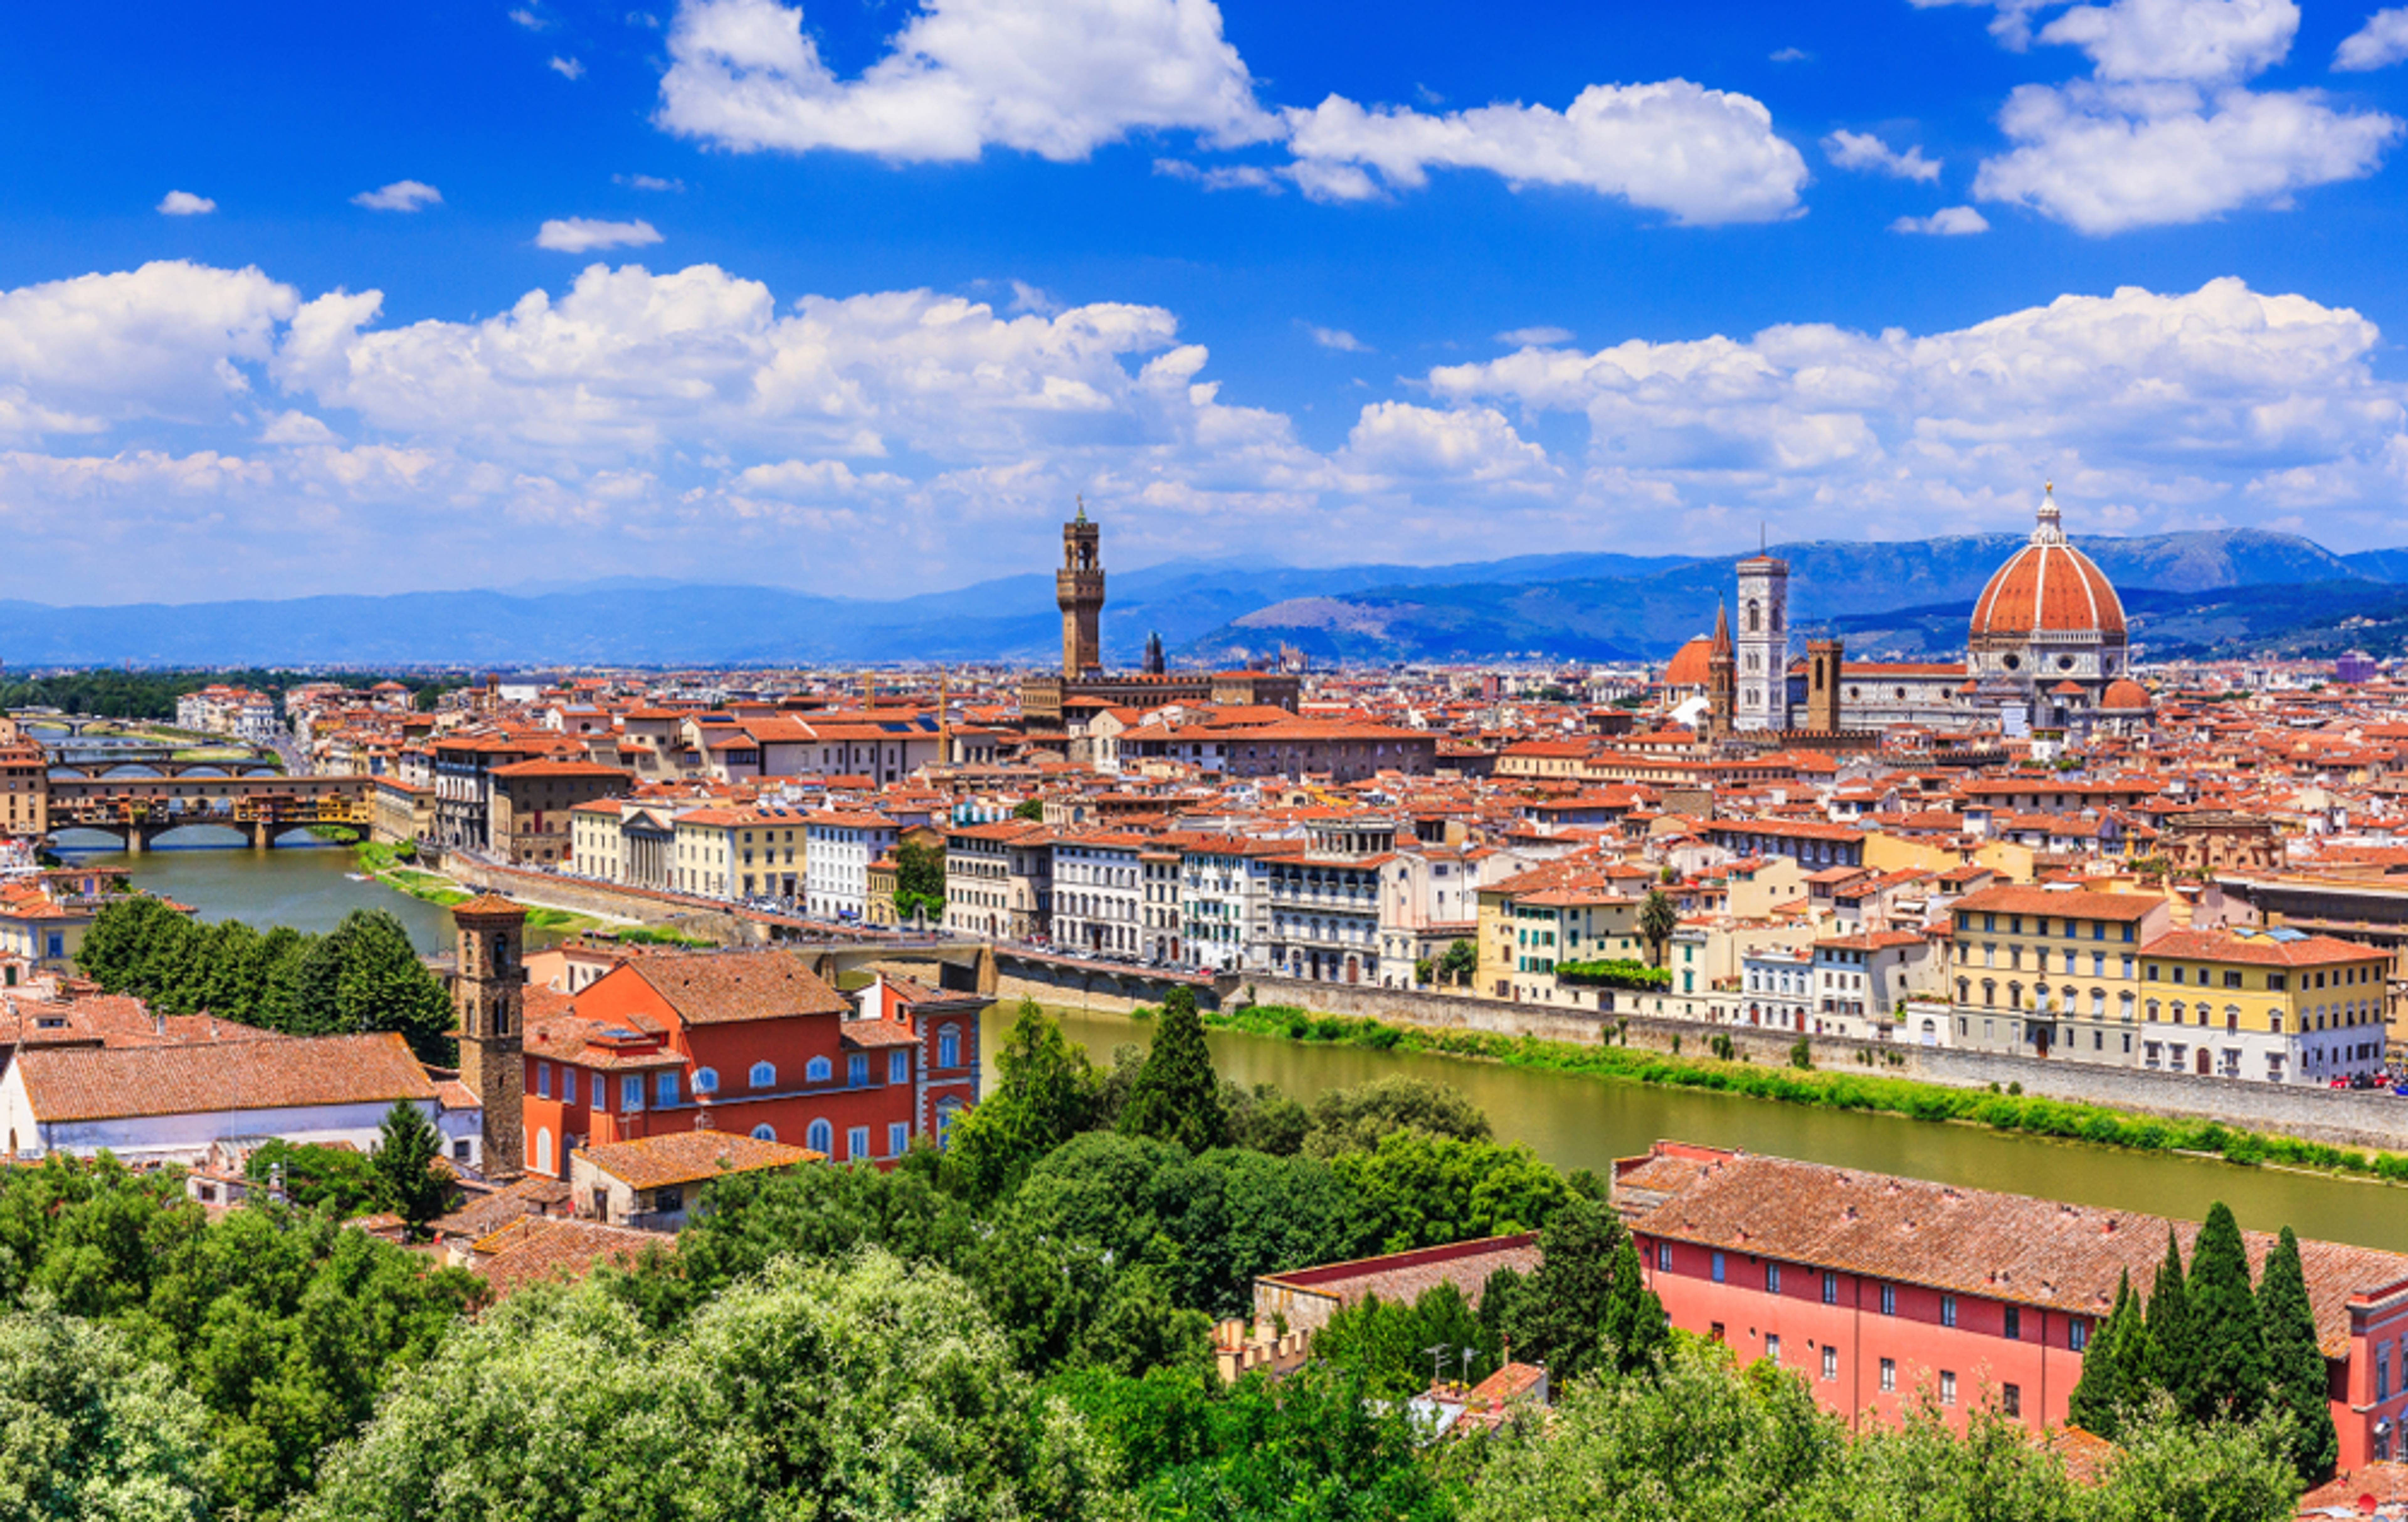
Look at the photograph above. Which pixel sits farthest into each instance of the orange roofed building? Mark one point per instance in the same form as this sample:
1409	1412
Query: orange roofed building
751	1042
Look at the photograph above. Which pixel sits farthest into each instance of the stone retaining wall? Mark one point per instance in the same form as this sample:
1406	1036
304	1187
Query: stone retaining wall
604	900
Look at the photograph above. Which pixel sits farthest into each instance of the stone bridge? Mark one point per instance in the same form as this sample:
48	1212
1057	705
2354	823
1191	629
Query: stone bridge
139	810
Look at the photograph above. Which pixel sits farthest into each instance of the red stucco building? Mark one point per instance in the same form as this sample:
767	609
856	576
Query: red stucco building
1874	1287
751	1042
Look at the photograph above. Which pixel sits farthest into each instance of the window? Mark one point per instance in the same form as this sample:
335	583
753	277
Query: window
856	1070
1772	1278
1830	1289
821	1136
765	1132
631	1092
818	1071
2011	1400
543	1080
2015	1323
1771	1349
856	1143
705	1081
764	1075
1831	1363
1889	1299
1948	1310
899	1067
1889	1376
1717	1269
899	1137
665	1089
1947	1387
2077	1335
1663	1257
568	1085
949	1047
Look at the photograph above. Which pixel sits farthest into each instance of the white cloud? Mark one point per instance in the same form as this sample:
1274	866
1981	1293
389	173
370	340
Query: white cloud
1535	338
1471	445
2011	26
1791	56
568	69
292	427
1704	155
1863	150
529	19
2165	131
401	196
1221	176
648	182
1057	79
178	203
165	341
582	235
2102	161
2382	42
1337	339
1948	221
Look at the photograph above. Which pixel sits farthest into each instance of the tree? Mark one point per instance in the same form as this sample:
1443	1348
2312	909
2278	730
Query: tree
2294	1363
1586	1309
1635	1328
1047	1092
1461	963
1177	1096
1659	918
407	1147
89	1430
1032	810
1388	1345
919	880
2172	1354
1355	1119
2229	1346
1420	1190
314	1177
2115	1381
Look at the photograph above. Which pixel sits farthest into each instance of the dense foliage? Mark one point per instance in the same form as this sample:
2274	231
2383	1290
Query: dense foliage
1614	972
919	882
1016	1329
361	976
115	693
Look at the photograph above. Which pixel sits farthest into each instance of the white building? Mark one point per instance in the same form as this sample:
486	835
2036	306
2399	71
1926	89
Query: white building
170	1104
1098	892
837	858
1225	903
1760	644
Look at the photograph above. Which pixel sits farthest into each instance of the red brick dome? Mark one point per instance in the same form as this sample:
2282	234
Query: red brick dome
1691	663
2048	590
2125	695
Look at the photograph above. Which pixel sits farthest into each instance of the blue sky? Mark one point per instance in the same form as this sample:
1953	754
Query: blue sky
858	297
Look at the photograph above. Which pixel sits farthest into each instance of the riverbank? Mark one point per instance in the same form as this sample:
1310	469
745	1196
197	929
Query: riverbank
386	865
2006	1111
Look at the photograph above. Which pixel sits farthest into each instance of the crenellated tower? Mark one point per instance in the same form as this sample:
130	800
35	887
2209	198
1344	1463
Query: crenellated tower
489	998
1078	588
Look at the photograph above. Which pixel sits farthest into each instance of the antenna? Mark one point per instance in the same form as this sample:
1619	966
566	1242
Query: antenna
1438	1353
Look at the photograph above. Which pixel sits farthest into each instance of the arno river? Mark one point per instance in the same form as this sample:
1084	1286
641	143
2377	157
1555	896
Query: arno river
1571	1122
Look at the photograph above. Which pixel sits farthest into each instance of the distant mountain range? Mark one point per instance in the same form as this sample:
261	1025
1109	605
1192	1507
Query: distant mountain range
2221	592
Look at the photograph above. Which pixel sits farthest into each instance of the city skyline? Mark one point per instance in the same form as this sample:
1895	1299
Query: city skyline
734	292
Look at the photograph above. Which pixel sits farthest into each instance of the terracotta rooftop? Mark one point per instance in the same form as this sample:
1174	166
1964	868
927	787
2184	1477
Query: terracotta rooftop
653	1162
708	988
277	1073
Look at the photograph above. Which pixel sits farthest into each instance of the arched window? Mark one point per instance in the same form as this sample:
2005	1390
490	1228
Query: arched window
947	1111
818	1071
2274	1020
705	1081
2123	1003
765	1132
821	1136
949	1047
1754	617
764	1075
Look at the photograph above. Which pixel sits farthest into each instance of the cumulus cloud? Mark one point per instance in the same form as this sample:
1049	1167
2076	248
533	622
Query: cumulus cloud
528	18
1469	445
1863	150
568	69
401	196
1948	221
1063	78
2165	131
648	182
1535	338
1704	155
583	234
178	203
2382	42
1337	339
1058	79
1791	56
165	341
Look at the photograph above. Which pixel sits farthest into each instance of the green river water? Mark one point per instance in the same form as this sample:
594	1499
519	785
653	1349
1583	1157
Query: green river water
1572	1122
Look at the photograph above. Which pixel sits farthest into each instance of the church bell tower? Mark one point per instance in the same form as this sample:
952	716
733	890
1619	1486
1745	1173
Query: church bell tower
1078	588
489	997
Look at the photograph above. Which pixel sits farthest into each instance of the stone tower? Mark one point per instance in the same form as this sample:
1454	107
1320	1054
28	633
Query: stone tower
1079	588
1722	677
489	997
1763	641
1824	664
1155	665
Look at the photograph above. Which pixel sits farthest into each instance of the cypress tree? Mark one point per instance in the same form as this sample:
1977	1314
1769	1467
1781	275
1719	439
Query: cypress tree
2114	1367
1635	1323
2172	1356
2229	1346
407	1147
1177	1095
2293	1362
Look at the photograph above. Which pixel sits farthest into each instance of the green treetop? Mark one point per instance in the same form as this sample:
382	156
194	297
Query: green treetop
1657	920
1177	1096
2294	1364
2170	1353
2229	1348
2115	1381
407	1147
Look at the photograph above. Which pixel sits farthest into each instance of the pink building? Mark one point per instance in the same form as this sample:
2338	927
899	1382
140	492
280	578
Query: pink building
1872	1287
